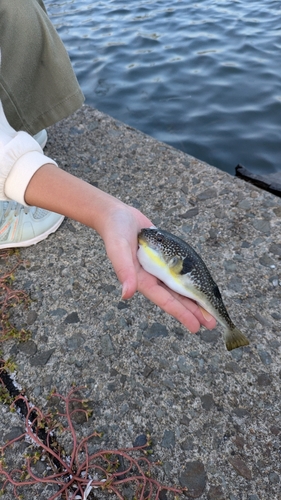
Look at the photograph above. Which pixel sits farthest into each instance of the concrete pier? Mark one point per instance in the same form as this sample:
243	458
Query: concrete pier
214	416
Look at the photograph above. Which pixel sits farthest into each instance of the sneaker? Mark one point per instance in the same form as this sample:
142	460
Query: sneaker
41	138
22	226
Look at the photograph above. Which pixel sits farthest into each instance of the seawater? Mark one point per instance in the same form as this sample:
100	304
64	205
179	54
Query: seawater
202	76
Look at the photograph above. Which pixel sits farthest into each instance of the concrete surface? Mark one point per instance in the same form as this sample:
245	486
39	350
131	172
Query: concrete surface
214	416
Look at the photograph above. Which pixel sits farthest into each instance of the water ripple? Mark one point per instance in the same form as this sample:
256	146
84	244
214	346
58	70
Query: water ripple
202	76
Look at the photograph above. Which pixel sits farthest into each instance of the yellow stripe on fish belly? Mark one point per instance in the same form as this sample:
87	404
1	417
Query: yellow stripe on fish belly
152	254
159	268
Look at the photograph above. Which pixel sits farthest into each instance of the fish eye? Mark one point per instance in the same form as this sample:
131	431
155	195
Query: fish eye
159	238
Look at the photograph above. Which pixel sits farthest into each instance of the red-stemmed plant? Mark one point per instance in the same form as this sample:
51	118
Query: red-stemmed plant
9	297
75	476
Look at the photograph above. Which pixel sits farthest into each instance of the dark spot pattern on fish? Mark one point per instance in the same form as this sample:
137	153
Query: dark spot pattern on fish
216	292
187	265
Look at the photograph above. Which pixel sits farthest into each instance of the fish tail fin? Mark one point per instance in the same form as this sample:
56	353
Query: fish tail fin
234	338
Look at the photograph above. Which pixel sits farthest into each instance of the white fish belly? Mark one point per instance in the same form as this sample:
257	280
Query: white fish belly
153	264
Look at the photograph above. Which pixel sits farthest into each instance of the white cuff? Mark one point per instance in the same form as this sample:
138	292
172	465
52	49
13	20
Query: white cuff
21	174
20	158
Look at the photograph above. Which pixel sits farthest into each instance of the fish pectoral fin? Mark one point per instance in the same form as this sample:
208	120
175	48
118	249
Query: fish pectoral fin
174	261
234	338
175	264
181	266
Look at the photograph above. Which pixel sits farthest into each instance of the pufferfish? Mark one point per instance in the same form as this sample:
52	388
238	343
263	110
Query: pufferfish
178	265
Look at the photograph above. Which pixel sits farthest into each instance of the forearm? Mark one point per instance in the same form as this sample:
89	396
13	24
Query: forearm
58	191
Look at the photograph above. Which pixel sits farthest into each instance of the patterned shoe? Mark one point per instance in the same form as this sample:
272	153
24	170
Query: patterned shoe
24	226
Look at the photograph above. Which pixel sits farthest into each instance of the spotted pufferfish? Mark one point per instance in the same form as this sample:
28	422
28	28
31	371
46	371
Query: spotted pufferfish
178	265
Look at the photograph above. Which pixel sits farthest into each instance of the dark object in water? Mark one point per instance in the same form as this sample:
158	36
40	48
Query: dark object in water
268	183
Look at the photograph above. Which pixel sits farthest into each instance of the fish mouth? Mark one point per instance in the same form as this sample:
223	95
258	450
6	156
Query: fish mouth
142	242
142	238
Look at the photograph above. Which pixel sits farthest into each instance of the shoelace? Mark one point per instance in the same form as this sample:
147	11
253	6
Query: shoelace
13	206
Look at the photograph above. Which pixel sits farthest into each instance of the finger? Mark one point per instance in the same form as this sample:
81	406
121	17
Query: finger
162	297
201	314
208	317
204	318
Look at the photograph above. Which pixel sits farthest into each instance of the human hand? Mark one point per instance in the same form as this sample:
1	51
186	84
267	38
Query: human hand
118	224
120	235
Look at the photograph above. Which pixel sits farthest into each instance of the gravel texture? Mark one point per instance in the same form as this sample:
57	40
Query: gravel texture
214	416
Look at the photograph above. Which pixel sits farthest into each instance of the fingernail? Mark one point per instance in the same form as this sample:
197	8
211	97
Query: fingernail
124	290
205	313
